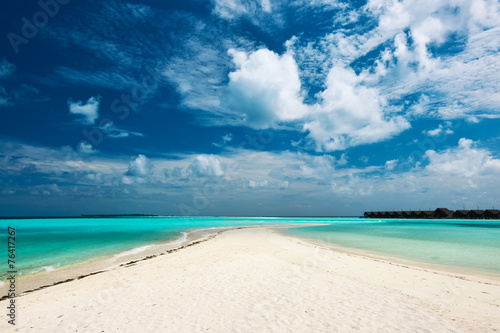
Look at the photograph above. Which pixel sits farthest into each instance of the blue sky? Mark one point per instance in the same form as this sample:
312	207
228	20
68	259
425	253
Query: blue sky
239	107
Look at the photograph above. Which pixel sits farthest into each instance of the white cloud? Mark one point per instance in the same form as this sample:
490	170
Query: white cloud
458	84
230	9
264	89
464	173
390	165
89	111
205	166
225	139
141	166
351	114
85	148
443	129
463	161
114	132
257	183
455	80
317	167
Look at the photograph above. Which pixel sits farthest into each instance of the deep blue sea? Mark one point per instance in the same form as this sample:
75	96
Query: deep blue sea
44	244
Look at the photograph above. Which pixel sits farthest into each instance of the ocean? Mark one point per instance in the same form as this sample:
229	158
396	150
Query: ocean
45	244
473	245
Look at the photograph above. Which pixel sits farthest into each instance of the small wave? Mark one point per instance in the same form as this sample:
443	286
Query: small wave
1	284
133	251
181	239
44	269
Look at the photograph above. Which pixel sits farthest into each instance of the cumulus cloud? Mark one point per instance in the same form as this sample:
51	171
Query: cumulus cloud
464	161
89	111
351	114
264	89
205	166
141	166
352	86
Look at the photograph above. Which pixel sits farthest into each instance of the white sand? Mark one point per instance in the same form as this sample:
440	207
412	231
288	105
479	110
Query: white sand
256	280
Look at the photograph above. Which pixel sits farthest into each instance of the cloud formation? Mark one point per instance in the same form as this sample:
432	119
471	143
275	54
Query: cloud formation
89	111
351	114
141	166
205	166
462	161
264	89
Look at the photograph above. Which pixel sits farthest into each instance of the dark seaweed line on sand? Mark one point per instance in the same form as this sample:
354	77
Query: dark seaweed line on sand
128	264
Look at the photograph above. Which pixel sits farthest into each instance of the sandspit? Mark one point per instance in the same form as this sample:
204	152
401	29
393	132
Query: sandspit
258	280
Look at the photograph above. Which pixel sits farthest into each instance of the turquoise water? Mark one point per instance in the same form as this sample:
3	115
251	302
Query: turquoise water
472	244
49	243
43	244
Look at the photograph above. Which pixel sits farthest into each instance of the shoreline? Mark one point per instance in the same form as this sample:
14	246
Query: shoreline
28	283
462	272
42	279
46	278
247	278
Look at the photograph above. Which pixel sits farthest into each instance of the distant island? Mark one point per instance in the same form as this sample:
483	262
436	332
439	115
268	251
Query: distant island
117	215
439	213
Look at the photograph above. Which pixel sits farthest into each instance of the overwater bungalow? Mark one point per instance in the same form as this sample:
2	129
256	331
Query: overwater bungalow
475	214
415	214
427	214
370	214
406	214
460	214
491	214
384	215
393	215
442	213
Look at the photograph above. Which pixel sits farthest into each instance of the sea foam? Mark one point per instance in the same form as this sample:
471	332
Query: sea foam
132	251
44	269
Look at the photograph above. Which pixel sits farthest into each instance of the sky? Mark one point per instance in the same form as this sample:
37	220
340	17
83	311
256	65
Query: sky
241	107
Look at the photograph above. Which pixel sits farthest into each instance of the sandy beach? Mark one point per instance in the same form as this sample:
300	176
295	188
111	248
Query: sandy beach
258	280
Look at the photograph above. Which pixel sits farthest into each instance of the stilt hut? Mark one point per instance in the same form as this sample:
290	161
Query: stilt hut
475	214
442	213
460	214
491	214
